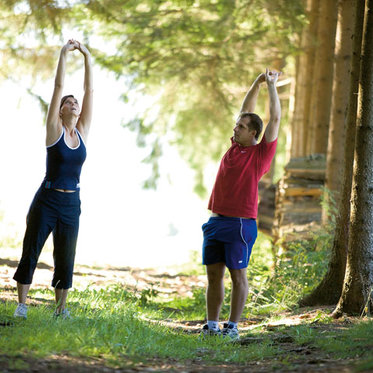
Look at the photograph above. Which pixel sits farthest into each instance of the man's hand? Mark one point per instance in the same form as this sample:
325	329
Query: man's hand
261	78
271	131
271	77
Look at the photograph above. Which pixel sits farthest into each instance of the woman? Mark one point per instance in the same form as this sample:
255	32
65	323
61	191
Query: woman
56	205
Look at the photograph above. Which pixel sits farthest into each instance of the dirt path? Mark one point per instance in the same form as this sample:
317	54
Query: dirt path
302	358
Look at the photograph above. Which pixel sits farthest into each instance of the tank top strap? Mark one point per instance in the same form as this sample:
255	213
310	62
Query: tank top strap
80	136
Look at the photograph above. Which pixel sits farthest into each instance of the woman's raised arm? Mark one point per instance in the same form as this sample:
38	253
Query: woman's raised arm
53	117
85	119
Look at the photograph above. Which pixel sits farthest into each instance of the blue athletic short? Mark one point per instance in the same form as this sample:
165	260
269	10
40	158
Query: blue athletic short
228	240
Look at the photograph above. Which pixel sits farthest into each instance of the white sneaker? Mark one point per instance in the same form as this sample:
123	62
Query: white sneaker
210	332
64	314
21	311
230	332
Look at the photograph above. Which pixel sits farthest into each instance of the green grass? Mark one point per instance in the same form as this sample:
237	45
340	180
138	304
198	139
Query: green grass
113	324
270	291
110	323
354	342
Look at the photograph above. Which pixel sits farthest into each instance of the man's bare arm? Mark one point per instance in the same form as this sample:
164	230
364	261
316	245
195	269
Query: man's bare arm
249	102
273	126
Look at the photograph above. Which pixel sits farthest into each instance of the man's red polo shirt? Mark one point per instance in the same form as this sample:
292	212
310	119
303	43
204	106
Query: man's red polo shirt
235	192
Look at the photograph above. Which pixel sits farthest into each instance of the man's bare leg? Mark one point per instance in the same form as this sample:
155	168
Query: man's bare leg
240	290
215	290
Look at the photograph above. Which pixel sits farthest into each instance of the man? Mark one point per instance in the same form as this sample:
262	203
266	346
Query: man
231	230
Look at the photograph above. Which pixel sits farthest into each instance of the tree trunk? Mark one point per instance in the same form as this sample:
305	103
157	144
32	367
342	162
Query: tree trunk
311	44
297	119
298	110
330	288
357	287
323	77
341	83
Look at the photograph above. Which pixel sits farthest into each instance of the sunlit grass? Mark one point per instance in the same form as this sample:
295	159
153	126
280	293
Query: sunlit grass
109	323
270	292
122	325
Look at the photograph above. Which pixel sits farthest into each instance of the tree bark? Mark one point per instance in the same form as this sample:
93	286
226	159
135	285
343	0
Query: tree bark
330	288
298	110
323	77
341	83
307	46
310	51
358	282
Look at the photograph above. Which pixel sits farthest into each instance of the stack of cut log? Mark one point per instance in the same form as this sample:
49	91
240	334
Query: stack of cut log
266	207
298	199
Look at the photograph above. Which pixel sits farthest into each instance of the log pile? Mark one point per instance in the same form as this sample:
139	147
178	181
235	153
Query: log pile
297	202
266	207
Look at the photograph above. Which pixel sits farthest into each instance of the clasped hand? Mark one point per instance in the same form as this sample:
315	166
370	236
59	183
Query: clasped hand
72	44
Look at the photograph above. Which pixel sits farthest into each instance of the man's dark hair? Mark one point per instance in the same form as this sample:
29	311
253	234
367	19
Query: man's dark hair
255	123
64	98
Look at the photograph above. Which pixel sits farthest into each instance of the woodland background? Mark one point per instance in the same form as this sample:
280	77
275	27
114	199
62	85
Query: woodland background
197	59
185	65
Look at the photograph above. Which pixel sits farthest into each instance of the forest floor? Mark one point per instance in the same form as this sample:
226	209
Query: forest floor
305	358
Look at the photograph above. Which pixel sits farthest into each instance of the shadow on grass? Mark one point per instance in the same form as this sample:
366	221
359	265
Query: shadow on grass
14	264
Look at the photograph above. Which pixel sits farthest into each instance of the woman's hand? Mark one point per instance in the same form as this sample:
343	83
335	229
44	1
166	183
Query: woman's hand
82	48
73	44
69	46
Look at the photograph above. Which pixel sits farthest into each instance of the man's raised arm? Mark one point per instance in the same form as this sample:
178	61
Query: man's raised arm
249	102
273	126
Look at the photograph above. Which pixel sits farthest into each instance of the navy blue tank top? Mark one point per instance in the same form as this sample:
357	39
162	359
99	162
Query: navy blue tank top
64	164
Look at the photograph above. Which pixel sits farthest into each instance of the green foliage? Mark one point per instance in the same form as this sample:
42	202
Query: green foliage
197	58
271	290
10	236
193	307
303	334
329	206
109	323
124	326
23	25
302	265
190	308
13	242
297	273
